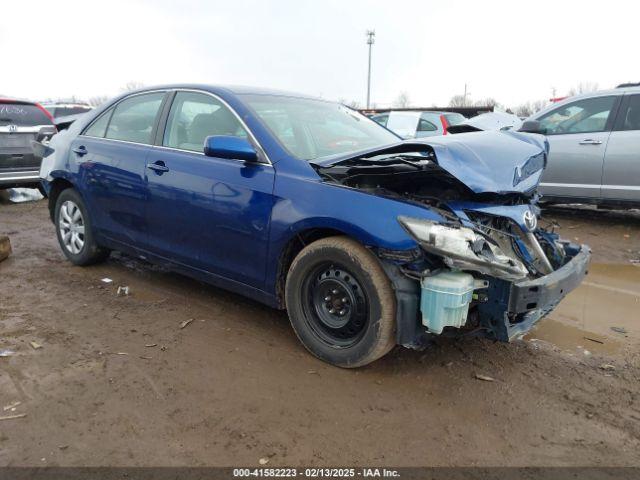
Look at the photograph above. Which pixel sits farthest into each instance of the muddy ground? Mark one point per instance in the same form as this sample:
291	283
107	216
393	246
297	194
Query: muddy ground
118	382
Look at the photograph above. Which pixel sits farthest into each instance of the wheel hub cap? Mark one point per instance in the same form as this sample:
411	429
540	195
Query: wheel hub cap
71	225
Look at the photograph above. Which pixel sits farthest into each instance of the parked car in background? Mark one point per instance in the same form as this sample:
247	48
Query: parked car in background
487	121
409	124
62	123
22	122
58	110
368	241
594	152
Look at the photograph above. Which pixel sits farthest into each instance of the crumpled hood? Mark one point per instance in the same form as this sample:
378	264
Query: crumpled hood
486	162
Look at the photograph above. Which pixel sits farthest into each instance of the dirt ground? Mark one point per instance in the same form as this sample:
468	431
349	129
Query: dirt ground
116	381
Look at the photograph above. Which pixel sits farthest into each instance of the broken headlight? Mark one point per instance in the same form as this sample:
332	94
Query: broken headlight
463	249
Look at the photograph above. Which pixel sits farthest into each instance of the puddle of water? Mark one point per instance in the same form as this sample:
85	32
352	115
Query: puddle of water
572	338
609	297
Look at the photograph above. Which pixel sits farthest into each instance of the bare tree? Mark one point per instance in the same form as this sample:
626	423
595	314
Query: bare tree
458	101
539	105
349	103
402	100
132	85
524	110
583	87
488	102
529	108
98	100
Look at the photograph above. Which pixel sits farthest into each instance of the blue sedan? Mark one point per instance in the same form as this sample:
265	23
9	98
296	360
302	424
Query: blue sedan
368	241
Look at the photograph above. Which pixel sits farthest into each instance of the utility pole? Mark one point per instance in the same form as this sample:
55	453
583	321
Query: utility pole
371	34
464	101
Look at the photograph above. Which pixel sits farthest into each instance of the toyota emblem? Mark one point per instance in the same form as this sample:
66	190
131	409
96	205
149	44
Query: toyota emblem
12	128
530	220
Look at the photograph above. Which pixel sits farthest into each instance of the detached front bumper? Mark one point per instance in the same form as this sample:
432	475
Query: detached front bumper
515	307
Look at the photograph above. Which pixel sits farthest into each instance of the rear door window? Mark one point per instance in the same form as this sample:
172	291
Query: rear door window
629	117
134	118
426	126
22	115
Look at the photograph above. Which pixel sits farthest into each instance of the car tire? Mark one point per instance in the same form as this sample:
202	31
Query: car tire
341	303
42	191
73	229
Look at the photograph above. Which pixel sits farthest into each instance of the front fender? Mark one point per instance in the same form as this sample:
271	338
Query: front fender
305	204
370	219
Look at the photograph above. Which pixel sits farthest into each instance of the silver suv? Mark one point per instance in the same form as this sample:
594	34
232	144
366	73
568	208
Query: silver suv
21	123
594	144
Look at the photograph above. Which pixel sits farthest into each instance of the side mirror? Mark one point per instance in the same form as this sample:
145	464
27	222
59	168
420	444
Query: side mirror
233	148
532	126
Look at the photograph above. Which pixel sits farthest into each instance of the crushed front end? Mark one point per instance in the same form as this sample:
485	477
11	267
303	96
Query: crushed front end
519	275
487	268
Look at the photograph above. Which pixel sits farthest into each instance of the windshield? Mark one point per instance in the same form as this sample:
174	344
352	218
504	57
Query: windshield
311	129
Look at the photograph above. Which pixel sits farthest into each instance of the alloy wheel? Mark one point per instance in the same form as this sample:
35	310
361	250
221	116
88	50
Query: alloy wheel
71	225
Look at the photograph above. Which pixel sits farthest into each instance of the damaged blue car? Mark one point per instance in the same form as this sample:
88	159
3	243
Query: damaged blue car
366	240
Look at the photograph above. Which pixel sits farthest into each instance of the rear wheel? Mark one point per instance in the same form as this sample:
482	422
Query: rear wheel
341	303
42	191
73	227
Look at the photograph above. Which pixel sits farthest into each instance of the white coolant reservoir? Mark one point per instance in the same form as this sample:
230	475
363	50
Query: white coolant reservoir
445	299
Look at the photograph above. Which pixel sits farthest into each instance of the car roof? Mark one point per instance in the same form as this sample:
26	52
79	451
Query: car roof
597	93
437	112
233	89
600	93
66	105
16	100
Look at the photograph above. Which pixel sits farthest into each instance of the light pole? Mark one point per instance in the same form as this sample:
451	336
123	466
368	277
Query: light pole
371	34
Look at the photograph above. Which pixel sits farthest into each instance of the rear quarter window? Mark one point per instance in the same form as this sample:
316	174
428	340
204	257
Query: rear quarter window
22	115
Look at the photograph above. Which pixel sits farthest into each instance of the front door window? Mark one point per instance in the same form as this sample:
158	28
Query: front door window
583	116
194	117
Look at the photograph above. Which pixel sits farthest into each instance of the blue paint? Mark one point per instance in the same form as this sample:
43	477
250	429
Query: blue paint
233	148
486	162
228	221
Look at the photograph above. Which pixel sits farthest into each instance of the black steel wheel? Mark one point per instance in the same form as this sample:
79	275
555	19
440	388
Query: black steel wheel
340	302
335	304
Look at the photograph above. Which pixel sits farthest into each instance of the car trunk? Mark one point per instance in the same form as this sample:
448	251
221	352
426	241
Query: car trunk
16	151
20	123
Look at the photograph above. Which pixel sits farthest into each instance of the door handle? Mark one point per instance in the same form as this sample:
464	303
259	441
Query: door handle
158	167
589	141
80	151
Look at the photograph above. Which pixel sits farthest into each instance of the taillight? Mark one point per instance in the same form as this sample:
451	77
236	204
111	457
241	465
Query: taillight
445	124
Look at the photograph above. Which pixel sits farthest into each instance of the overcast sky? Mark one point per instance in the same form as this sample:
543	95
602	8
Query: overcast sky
511	50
